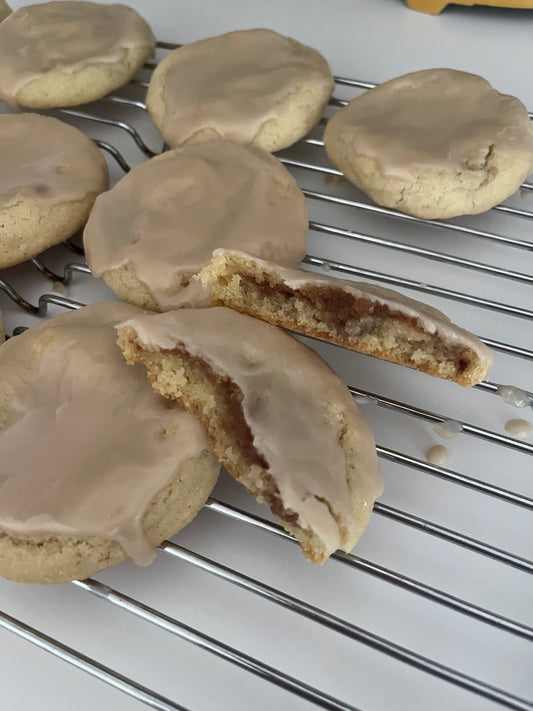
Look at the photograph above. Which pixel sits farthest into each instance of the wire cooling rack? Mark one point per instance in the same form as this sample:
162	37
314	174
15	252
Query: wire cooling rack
433	609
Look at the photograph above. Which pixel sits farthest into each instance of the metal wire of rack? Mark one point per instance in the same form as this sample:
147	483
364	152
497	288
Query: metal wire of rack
340	199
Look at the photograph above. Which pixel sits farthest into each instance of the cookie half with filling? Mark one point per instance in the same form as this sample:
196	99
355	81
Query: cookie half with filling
280	420
363	317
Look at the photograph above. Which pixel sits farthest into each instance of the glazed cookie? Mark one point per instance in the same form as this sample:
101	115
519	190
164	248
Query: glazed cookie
252	86
50	175
94	466
5	10
160	224
363	317
279	419
69	53
436	143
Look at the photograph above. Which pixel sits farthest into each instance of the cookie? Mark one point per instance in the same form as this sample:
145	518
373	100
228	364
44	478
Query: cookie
363	317
50	175
436	143
69	53
5	10
277	416
253	86
94	466
159	225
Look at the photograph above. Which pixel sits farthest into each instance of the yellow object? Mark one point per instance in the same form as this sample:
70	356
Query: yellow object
433	7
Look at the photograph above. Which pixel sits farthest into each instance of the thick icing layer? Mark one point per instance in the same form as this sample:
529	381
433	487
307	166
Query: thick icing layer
45	159
432	119
235	82
431	320
85	443
168	215
65	36
286	388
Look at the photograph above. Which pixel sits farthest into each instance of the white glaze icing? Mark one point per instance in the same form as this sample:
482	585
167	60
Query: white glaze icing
449	429
438	455
514	396
519	428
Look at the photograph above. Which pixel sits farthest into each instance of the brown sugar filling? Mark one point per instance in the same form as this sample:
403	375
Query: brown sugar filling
230	398
338	307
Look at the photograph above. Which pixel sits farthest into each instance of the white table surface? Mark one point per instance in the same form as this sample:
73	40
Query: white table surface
371	40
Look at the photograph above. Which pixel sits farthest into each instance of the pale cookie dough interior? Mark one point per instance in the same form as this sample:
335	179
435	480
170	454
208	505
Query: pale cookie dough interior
436	143
160	224
364	317
252	86
68	53
277	416
50	175
94	466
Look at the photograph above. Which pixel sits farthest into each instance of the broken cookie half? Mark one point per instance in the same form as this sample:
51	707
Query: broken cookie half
279	419
363	317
